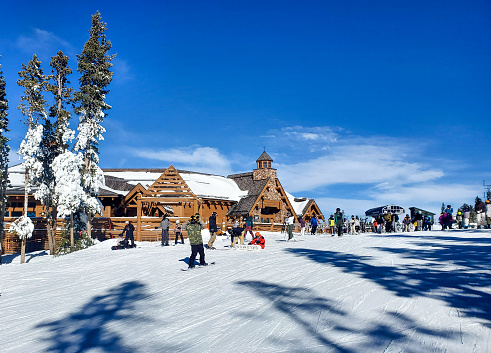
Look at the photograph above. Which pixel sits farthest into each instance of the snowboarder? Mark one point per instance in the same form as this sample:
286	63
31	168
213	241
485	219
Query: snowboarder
165	225
194	226
212	226
128	230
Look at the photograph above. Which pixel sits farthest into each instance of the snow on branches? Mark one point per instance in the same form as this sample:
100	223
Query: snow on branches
69	192
23	227
29	149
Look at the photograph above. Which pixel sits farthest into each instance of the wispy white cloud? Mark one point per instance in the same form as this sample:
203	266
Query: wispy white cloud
383	170
202	159
43	43
122	71
360	164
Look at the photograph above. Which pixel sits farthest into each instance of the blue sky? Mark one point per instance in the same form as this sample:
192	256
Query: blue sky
360	103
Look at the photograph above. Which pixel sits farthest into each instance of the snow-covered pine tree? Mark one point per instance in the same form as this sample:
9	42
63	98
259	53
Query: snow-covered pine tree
56	134
4	156
32	107
94	64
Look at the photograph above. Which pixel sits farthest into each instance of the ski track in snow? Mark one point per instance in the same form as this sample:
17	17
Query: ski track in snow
405	292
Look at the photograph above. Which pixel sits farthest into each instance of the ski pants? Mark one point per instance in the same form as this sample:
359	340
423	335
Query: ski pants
195	249
340	230
466	223
481	219
290	231
177	236
314	228
302	231
165	237
213	236
129	236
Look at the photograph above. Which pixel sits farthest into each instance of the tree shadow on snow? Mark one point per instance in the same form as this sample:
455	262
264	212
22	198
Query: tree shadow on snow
323	322
89	328
458	287
8	259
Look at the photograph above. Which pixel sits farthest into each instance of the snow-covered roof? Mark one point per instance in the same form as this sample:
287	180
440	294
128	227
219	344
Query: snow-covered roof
298	204
202	185
146	178
213	186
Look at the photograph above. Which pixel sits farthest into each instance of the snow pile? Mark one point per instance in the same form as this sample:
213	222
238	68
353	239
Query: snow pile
405	292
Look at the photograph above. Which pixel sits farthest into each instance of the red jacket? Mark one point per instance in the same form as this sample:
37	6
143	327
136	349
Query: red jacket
258	241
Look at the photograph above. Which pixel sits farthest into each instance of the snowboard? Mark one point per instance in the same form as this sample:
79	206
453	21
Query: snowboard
247	247
197	266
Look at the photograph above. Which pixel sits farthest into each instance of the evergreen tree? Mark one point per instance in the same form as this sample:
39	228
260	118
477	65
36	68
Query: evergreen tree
93	64
56	134
4	156
32	107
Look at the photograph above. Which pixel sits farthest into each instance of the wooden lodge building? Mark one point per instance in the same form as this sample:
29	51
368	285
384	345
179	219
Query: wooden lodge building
143	196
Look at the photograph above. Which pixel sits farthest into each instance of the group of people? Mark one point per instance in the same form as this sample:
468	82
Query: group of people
194	226
482	211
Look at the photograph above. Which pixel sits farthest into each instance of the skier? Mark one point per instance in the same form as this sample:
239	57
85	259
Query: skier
212	226
194	226
338	219
258	240
419	221
128	229
165	225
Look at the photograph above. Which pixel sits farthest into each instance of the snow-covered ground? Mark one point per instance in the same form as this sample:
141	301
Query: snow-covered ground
405	292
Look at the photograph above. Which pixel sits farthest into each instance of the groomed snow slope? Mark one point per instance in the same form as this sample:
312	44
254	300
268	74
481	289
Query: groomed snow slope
405	292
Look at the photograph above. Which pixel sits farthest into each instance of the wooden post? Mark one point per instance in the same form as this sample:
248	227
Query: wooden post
138	217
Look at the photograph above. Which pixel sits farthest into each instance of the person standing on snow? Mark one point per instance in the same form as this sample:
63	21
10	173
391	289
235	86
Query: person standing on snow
212	226
480	208
178	231
248	226
449	218
488	212
302	226
332	225
406	222
313	223
352	225
467	215
289	221
338	219
165	225
194	226
128	230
